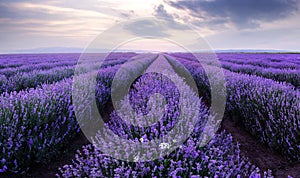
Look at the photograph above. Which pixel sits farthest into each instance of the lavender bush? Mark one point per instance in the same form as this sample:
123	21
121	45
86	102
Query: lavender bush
8	71
35	74
268	109
21	81
37	119
279	61
220	157
291	76
17	60
35	124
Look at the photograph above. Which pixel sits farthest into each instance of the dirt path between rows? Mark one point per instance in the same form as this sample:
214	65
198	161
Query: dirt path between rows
49	171
259	154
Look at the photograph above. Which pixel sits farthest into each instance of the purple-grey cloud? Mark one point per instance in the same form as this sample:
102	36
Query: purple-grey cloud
244	14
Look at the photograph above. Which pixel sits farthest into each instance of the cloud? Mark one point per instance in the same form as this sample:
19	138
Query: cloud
51	19
69	22
161	13
164	26
50	9
19	11
39	23
146	28
245	14
283	39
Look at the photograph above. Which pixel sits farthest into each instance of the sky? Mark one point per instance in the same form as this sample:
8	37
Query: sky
222	24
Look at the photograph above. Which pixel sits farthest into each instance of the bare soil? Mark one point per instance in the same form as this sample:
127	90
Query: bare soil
259	154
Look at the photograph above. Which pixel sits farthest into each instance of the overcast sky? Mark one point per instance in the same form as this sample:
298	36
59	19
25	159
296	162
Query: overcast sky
224	24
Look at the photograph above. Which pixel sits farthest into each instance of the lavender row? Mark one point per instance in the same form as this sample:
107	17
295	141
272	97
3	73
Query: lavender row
18	60
268	109
112	59
220	157
291	76
21	81
8	72
279	61
36	124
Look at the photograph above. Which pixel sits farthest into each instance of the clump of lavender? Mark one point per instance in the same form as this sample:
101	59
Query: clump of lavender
220	157
268	109
36	123
40	69
291	76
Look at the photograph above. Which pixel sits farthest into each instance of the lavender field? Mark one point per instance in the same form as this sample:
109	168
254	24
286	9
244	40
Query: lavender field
259	135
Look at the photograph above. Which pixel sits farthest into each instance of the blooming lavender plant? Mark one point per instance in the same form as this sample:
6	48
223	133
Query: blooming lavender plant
279	61
33	75
220	157
291	76
36	124
268	109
